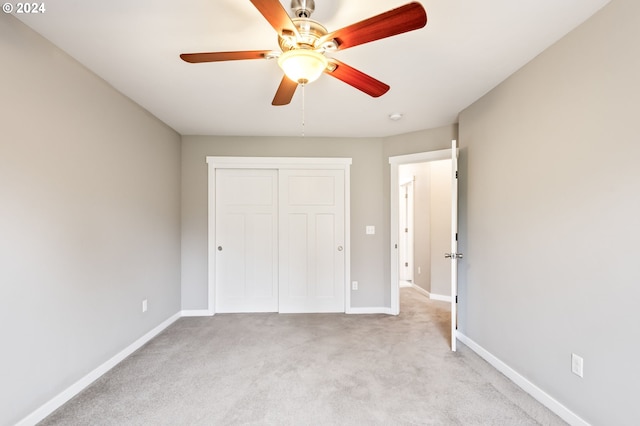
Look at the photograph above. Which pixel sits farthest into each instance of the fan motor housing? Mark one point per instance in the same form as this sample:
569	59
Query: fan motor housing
310	32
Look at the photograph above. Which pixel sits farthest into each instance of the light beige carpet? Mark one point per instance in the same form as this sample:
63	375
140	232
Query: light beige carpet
306	369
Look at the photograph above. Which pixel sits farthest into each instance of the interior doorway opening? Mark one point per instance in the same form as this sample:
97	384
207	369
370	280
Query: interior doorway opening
421	224
424	227
452	254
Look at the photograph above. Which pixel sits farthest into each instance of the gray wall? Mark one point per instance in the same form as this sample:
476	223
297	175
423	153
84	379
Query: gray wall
549	218
89	221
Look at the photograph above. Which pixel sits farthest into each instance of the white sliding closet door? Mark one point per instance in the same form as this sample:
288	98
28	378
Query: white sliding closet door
312	241
246	249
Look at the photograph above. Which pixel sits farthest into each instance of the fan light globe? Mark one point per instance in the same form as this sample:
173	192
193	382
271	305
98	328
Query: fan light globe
302	65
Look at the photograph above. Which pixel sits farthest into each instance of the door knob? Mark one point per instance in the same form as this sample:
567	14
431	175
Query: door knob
219	248
339	248
453	255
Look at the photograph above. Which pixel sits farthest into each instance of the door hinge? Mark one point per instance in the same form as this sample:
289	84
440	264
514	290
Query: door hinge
456	174
456	299
406	229
456	236
406	264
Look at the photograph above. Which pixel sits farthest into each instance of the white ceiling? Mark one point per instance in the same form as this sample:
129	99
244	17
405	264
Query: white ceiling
466	49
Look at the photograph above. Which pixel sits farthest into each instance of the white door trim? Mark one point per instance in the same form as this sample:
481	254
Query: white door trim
395	162
276	163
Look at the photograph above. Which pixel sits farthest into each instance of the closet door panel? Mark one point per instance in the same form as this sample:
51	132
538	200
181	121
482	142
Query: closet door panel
246	240
312	256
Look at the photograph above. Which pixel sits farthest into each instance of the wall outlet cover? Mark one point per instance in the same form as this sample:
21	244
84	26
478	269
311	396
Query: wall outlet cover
577	365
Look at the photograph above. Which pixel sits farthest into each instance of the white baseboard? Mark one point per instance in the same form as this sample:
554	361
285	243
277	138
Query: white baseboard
440	297
374	310
59	400
431	296
421	290
544	398
197	313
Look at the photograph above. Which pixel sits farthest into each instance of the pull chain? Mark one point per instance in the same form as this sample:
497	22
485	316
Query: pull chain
303	110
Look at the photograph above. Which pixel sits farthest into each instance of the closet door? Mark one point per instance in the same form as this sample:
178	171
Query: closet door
246	249
312	253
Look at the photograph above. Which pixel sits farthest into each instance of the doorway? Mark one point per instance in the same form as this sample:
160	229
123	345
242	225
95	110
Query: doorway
425	226
428	175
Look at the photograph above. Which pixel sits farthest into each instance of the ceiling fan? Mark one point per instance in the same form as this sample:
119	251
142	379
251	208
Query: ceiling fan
304	43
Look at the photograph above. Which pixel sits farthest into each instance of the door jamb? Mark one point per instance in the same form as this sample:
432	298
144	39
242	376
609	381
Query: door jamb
277	163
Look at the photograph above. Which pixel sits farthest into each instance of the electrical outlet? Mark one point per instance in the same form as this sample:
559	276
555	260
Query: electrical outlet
354	285
577	365
144	306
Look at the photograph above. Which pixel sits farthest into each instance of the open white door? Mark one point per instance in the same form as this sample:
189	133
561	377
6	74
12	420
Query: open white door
454	255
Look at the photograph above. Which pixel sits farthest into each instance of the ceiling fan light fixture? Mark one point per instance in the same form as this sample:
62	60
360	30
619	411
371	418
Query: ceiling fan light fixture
302	65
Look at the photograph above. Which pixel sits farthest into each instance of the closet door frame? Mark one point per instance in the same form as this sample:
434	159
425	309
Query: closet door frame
275	163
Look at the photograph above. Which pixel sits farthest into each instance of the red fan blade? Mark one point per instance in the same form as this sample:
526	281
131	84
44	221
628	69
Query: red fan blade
285	92
396	21
357	79
277	16
195	58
